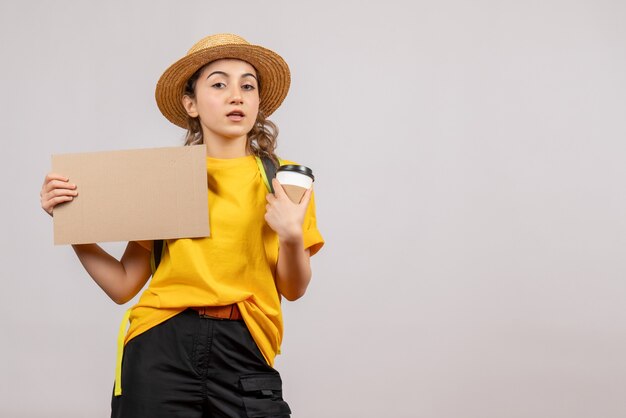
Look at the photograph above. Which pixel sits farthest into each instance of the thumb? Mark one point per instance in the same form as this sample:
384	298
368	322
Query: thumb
306	197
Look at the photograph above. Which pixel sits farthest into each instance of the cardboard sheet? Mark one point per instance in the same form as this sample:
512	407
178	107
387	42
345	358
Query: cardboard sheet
133	195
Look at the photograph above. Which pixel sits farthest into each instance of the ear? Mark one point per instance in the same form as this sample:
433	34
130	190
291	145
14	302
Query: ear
190	106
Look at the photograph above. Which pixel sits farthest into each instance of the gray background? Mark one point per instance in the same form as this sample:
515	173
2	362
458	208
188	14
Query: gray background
470	186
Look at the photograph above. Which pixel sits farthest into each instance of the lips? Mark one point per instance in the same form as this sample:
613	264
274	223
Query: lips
235	115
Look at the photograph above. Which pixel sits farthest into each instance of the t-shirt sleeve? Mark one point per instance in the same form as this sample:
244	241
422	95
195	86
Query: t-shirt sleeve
312	237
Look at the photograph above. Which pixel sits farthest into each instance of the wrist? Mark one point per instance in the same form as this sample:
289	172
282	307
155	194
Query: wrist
291	237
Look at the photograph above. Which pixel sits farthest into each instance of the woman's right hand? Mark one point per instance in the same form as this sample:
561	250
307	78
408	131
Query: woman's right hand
56	189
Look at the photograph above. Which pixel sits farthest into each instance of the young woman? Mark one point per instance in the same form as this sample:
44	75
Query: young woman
203	336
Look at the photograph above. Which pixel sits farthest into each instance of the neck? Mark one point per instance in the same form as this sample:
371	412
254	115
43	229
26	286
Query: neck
225	147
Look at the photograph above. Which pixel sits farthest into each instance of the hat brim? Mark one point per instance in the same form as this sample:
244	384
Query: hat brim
271	68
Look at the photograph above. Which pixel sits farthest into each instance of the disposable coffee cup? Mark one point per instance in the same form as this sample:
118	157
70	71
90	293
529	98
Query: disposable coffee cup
295	179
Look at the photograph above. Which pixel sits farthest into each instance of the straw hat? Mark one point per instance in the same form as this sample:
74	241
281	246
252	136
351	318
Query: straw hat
271	68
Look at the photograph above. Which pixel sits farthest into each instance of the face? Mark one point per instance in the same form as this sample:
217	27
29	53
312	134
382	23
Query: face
226	99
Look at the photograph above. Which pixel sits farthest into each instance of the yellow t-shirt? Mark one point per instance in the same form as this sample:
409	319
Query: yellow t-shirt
236	264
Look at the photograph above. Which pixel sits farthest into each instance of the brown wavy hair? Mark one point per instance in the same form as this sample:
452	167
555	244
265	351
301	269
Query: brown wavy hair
261	140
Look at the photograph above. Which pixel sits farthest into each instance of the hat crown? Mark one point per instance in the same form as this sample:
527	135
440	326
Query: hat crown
219	39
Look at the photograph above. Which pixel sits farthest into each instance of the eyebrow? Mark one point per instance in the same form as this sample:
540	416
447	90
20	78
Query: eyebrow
225	74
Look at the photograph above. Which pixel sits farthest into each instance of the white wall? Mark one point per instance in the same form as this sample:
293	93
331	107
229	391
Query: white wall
469	159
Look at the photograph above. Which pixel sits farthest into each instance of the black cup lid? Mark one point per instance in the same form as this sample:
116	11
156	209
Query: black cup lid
297	169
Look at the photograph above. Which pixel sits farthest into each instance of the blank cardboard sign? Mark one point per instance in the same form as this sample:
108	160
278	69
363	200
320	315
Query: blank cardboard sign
133	195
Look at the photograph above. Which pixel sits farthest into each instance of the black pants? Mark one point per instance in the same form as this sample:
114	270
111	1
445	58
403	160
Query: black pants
190	366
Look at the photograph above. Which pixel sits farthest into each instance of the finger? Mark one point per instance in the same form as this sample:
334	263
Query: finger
59	184
269	218
61	192
306	197
52	203
60	199
270	197
54	176
278	189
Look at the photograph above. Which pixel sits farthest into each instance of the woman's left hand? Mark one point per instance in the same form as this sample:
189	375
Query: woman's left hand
284	216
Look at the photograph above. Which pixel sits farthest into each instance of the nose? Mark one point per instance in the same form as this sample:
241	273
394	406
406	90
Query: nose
235	96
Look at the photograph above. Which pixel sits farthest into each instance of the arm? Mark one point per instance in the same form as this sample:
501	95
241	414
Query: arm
293	270
120	280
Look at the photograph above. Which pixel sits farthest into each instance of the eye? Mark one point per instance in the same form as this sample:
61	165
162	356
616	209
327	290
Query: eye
219	85
248	87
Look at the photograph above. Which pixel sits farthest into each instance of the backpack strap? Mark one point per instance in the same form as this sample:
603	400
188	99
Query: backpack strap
268	172
157	253
121	336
